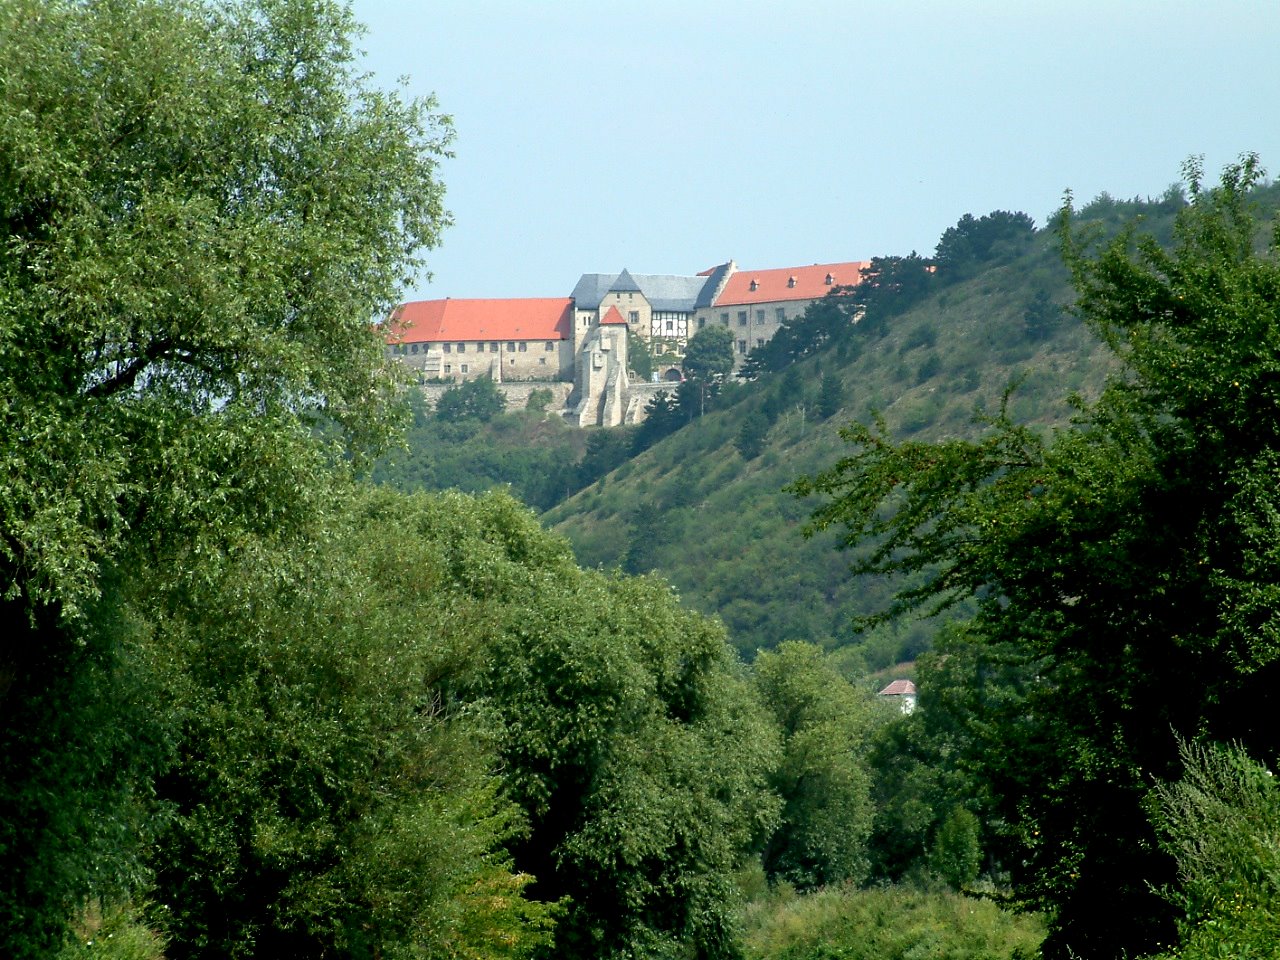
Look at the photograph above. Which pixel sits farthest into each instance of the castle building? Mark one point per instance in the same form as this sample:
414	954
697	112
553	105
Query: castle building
753	304
528	339
582	339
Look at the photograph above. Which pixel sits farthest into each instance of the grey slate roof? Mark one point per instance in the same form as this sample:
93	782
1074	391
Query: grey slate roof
625	283
679	294
708	292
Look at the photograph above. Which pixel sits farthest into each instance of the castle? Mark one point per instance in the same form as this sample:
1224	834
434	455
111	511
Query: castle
578	344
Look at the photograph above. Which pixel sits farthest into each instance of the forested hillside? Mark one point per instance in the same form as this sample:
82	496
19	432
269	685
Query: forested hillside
709	508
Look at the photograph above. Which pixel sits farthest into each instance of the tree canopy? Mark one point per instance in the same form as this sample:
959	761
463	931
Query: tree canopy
1124	568
205	207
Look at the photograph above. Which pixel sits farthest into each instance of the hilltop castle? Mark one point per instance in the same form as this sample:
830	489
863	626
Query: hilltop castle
579	343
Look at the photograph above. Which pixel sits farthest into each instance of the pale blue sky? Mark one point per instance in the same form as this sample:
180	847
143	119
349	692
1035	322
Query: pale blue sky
667	137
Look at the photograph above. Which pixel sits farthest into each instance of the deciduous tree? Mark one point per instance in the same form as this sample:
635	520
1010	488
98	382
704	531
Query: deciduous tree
204	207
1124	568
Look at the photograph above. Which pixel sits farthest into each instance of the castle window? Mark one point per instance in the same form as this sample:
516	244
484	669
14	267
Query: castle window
550	345
702	322
414	348
759	316
791	282
781	314
724	318
633	316
448	347
755	285
543	361
742	346
462	348
830	280
448	368
524	345
671	326
742	318
493	346
511	346
463	368
759	342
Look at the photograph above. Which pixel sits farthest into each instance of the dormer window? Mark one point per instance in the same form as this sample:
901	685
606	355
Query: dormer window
830	279
755	285
791	281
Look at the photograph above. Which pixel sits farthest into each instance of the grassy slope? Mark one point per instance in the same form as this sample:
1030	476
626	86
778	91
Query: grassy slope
730	538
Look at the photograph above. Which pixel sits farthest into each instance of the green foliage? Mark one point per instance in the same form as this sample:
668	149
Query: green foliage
709	356
639	356
1123	568
534	456
823	779
204	206
1221	822
477	399
830	395
539	400
1042	316
957	849
1000	235
329	797
189	279
85	730
888	923
113	933
623	731
751	436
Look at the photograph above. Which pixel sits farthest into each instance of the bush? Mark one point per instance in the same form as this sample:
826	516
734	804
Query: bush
893	923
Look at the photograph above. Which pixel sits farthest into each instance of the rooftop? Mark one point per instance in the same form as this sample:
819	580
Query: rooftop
433	321
789	283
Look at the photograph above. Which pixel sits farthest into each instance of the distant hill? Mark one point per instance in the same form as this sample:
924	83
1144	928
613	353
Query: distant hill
706	507
722	527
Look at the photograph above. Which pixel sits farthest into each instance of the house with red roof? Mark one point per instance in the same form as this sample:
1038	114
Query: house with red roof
903	692
753	304
506	340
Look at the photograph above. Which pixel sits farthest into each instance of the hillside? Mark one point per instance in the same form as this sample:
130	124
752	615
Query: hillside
727	534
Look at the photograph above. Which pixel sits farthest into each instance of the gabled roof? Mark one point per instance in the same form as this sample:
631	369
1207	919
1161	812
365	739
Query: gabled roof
899	688
662	291
432	321
625	283
612	316
789	283
715	277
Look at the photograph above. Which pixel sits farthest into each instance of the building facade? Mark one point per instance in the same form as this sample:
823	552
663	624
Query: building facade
582	339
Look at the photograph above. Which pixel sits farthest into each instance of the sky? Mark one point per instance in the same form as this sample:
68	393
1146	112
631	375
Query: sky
668	137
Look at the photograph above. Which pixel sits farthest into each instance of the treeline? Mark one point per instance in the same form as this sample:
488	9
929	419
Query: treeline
250	706
1122	572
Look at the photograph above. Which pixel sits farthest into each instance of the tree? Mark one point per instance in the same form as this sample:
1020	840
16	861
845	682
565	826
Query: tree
639	356
1041	316
708	359
973	242
830	395
1221	822
204	208
751	435
1124	568
822	779
330	798
624	732
477	399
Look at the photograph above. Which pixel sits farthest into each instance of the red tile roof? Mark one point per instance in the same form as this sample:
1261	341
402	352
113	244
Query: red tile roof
770	286
899	688
434	321
612	316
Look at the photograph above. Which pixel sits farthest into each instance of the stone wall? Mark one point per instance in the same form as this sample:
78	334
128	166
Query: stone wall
517	393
